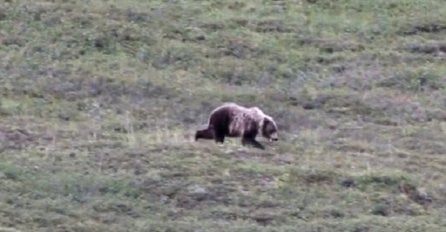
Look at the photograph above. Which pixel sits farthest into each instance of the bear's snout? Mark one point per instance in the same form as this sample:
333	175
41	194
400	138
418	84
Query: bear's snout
274	137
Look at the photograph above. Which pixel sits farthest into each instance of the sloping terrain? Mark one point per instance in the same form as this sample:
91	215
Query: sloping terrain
99	101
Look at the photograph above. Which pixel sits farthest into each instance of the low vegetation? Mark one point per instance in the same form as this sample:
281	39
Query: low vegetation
99	101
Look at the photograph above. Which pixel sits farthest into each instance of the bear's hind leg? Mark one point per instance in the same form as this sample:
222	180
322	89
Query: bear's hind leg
219	133
204	134
219	136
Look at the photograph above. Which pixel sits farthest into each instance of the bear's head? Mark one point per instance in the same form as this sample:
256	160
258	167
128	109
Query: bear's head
269	129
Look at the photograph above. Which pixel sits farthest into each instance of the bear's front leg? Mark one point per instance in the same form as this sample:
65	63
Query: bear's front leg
253	142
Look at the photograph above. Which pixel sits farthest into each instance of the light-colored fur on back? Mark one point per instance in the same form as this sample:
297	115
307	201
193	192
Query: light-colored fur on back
260	116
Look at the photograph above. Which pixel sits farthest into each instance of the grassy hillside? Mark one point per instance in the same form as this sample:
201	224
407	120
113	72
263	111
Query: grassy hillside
99	101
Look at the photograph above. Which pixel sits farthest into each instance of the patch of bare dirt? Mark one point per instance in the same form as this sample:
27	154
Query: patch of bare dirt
427	48
20	138
425	28
278	26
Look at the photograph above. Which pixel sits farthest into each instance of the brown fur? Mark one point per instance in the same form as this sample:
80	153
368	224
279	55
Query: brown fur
233	120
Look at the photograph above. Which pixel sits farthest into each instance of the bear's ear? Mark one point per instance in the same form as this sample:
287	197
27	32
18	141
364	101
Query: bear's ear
268	125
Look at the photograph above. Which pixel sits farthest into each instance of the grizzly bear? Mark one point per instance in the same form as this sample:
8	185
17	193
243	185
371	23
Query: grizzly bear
233	120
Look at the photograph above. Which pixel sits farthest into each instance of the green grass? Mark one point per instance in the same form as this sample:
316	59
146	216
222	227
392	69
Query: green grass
99	101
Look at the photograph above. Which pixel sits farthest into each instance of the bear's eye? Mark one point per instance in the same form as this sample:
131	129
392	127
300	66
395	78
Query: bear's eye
269	128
